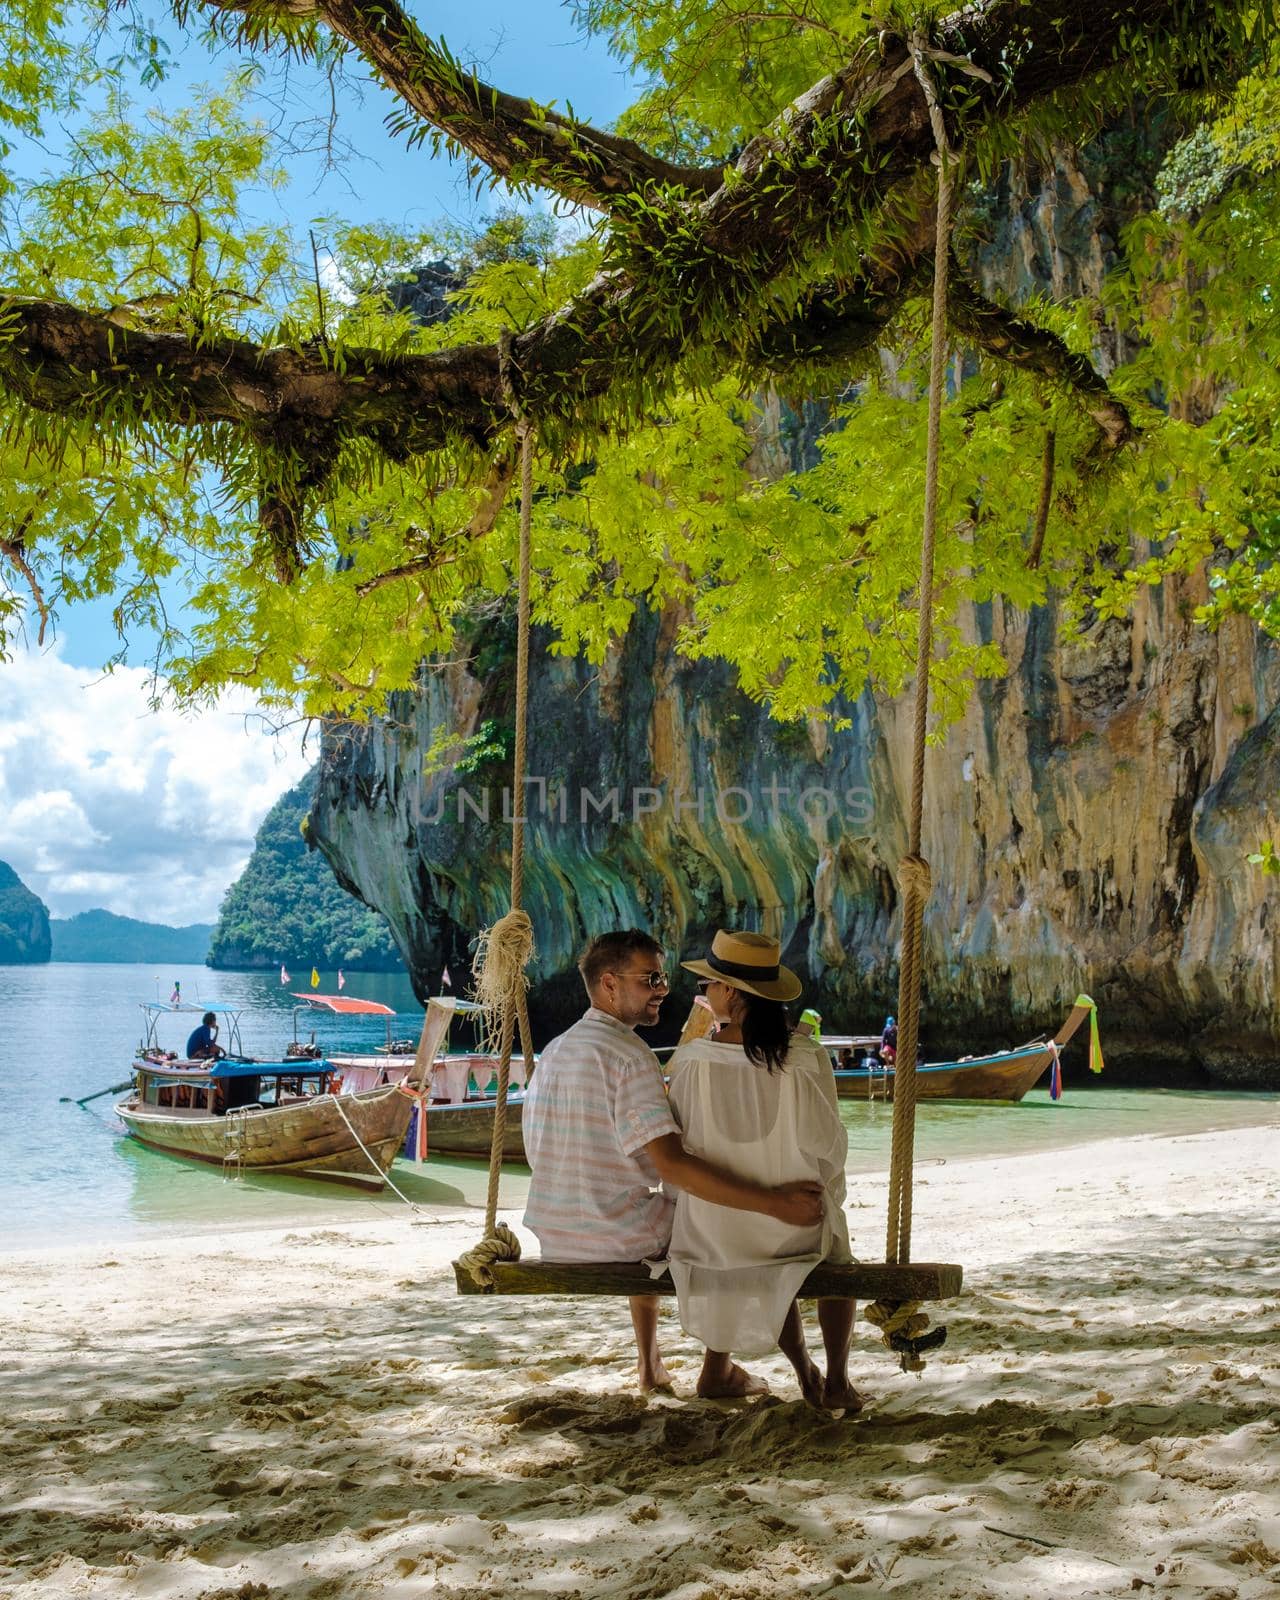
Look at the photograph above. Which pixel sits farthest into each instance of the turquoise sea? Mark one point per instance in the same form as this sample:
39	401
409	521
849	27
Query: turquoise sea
68	1174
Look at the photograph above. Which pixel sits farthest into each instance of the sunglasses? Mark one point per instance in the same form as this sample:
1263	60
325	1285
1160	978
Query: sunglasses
655	980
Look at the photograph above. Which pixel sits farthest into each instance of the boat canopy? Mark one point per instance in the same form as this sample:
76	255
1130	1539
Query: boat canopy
153	1010
191	1007
346	1004
227	1068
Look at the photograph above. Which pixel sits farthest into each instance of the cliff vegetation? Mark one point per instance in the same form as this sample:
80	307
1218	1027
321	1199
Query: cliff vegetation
104	936
24	921
287	908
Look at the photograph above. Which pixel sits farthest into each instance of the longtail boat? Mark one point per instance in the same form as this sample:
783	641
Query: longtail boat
457	1112
1002	1075
274	1116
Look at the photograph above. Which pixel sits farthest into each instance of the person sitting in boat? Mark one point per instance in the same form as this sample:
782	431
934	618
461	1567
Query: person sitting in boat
203	1044
600	1137
889	1042
762	1100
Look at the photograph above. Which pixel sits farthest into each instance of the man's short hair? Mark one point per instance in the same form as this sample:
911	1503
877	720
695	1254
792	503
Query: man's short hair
210	1019
607	952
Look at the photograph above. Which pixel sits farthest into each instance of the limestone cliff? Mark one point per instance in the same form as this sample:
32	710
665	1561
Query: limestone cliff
1087	822
24	921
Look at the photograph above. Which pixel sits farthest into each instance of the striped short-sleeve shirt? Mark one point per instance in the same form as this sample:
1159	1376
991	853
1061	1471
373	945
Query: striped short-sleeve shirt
595	1101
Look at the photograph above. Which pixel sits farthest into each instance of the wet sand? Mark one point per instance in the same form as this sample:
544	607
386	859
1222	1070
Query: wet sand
312	1413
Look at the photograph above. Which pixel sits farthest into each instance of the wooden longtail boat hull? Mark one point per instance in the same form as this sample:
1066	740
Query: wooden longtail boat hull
350	1138
307	1139
467	1130
1006	1076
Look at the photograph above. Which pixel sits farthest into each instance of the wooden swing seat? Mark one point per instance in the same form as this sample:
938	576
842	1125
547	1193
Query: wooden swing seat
859	1280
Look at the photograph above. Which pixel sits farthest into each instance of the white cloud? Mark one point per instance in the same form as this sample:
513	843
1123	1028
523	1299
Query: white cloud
106	803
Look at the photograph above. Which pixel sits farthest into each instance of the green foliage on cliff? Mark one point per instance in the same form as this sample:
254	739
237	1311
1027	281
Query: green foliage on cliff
1267	859
178	396
104	936
286	907
24	922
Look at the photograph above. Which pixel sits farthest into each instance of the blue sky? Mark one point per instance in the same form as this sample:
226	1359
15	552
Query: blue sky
103	803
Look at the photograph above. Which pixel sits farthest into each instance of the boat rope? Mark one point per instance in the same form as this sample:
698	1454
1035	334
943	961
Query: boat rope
503	954
386	1176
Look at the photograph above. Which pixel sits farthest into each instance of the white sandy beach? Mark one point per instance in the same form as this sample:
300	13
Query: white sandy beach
314	1414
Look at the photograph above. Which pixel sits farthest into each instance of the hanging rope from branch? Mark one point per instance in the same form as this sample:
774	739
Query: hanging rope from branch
505	950
914	875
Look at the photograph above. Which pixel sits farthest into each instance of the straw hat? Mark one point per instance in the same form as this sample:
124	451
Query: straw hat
748	961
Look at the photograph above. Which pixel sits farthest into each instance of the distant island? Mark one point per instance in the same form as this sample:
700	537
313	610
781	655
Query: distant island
287	906
103	936
24	922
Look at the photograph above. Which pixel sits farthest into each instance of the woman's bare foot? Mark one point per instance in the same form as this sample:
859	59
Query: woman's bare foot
735	1384
838	1394
654	1377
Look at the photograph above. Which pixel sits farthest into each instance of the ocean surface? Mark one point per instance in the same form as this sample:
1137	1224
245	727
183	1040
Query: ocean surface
69	1175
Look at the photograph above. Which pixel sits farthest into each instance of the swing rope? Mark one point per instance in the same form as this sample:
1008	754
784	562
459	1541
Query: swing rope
504	952
914	875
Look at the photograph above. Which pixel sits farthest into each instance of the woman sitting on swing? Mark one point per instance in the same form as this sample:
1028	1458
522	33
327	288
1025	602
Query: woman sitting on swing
761	1102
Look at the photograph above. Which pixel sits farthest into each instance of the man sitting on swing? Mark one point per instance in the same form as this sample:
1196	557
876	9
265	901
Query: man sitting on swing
600	1137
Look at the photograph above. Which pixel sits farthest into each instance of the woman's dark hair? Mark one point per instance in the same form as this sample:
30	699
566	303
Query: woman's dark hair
766	1031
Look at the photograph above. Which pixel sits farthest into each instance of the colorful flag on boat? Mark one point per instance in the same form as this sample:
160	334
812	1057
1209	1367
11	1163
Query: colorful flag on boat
175	999
284	975
315	979
446	979
341	980
1095	1044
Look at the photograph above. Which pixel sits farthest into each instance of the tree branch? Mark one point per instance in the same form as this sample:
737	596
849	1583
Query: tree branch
14	550
517	139
1022	344
65	360
498	482
1045	502
692	279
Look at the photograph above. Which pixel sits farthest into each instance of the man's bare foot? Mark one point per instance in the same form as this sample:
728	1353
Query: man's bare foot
736	1384
812	1387
654	1377
838	1394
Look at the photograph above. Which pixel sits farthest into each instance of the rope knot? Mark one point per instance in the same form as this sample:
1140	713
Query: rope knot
502	954
902	1327
915	876
500	1245
890	1319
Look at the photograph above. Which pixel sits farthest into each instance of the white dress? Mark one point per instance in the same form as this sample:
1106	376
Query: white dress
737	1272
